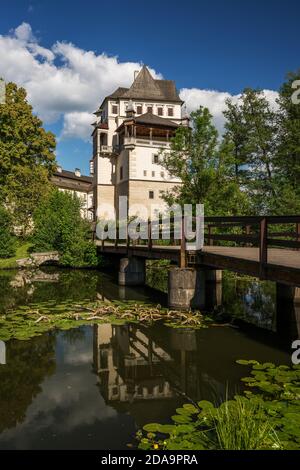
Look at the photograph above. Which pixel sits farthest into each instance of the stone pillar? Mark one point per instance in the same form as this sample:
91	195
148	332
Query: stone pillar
288	311
213	288
132	271
186	288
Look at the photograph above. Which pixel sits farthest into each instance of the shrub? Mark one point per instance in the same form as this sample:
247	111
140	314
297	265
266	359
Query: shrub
59	226
7	240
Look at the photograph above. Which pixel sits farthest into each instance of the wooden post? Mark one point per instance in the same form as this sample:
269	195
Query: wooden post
210	240
117	235
298	234
182	260
263	246
149	235
248	231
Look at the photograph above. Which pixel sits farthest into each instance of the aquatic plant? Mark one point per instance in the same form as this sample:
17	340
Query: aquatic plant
34	319
267	417
278	388
238	424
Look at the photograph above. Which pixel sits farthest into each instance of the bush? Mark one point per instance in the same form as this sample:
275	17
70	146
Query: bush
58	226
7	240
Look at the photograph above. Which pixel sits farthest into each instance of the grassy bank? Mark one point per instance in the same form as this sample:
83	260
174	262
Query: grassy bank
21	252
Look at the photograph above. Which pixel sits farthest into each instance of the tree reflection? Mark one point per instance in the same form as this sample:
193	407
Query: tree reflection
28	363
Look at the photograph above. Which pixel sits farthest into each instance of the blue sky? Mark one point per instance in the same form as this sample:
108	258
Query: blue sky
204	45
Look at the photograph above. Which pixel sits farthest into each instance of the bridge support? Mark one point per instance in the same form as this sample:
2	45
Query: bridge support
132	271
186	288
213	288
288	311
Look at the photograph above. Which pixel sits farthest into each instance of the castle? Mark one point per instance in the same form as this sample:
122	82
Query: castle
132	126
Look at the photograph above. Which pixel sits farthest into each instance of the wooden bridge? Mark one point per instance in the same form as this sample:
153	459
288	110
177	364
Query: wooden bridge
265	247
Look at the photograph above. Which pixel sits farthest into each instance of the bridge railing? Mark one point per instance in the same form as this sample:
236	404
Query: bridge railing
247	231
262	232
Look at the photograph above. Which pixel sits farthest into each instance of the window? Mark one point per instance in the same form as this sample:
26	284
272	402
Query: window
139	109
121	172
149	109
170	112
145	172
160	111
114	109
162	174
153	174
155	159
151	194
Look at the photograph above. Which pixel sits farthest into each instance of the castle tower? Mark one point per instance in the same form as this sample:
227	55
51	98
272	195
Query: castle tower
133	125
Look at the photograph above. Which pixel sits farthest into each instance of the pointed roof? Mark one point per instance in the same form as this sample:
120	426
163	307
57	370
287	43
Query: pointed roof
145	87
144	82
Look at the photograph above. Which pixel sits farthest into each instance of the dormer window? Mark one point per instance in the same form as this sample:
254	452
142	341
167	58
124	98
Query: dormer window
150	109
160	111
139	109
170	112
114	109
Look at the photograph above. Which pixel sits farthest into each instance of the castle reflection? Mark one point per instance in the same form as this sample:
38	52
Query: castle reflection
129	364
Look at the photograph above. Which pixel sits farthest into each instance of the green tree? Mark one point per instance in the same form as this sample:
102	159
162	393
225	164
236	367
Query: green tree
26	154
288	152
7	240
204	167
58	226
235	138
251	129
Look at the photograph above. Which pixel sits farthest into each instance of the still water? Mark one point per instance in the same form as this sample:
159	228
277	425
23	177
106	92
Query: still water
94	387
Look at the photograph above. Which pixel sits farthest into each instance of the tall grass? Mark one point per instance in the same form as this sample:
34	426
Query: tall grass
243	425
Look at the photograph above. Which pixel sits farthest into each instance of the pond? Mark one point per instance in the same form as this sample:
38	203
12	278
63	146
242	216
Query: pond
94	386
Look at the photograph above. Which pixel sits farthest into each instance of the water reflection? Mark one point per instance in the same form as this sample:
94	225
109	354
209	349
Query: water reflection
93	387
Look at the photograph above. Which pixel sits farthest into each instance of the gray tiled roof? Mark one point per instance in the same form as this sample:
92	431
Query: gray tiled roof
71	175
149	118
147	88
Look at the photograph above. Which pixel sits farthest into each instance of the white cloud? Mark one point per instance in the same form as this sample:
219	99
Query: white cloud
215	101
77	124
69	82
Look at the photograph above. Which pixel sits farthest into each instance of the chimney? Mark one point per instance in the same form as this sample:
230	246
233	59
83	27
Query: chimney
130	112
136	72
77	172
59	169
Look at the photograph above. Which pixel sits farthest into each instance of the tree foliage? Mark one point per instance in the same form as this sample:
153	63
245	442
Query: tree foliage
204	167
7	240
254	168
58	226
27	157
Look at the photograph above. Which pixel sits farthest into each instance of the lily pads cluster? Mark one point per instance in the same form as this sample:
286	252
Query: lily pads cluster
265	417
35	319
279	390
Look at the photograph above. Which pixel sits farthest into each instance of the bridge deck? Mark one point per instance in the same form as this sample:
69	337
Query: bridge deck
283	265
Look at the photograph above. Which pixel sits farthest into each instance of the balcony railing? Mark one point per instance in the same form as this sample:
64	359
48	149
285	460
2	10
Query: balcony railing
109	149
154	142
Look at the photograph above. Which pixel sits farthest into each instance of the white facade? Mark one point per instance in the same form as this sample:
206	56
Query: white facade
79	185
130	164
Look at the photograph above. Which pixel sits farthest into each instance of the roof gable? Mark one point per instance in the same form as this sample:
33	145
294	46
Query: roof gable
145	87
